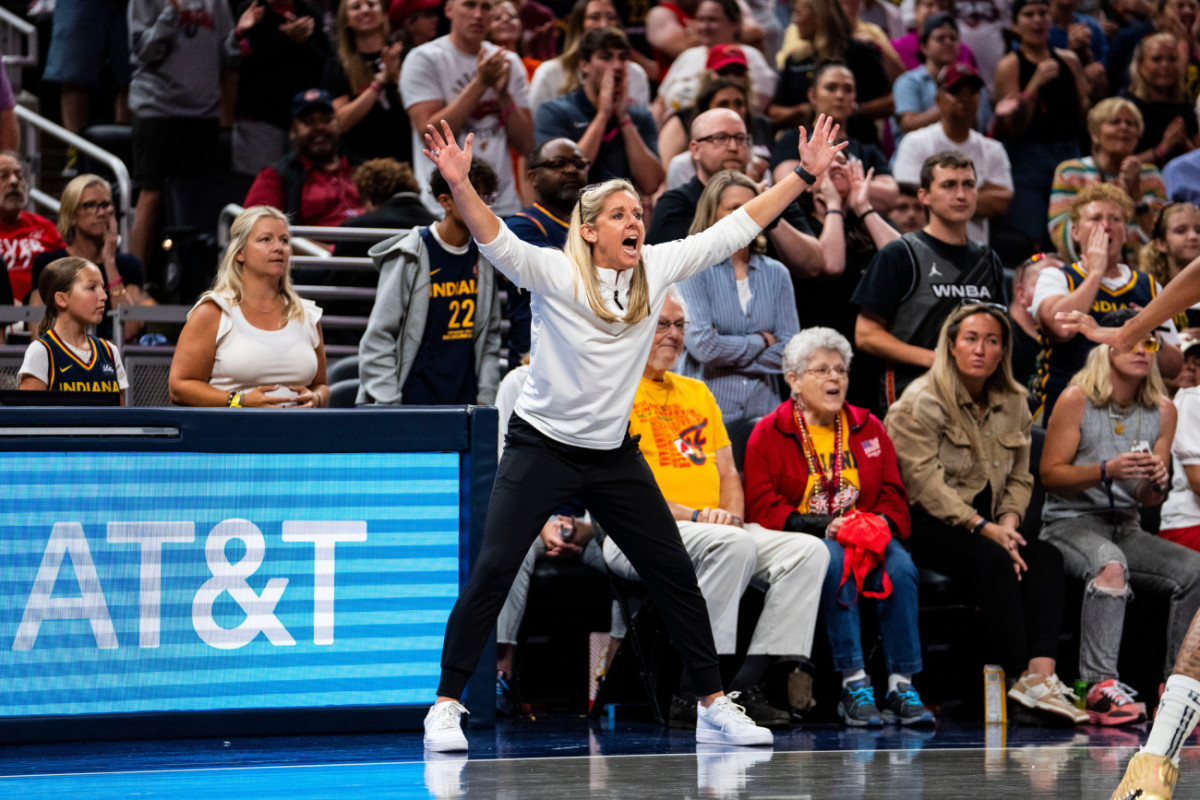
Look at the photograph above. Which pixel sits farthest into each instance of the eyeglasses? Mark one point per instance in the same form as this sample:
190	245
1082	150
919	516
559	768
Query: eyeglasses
665	325
825	372
560	164
723	139
1150	344
96	205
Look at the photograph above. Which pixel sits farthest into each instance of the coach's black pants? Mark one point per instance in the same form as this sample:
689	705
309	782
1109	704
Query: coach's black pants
536	475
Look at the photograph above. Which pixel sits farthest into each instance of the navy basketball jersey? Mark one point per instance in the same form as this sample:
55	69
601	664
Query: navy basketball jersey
69	373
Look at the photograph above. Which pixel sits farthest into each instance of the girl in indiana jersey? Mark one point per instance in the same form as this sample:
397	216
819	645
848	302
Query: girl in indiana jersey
65	357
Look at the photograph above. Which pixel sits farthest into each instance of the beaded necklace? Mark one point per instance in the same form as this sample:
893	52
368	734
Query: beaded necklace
829	485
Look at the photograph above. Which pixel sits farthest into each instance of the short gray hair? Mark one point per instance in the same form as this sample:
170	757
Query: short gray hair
805	345
673	293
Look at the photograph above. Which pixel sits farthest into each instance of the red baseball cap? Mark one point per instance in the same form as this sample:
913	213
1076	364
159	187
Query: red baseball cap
721	56
953	75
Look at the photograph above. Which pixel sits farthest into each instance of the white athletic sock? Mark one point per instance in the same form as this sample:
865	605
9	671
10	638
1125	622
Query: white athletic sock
895	679
1178	713
850	676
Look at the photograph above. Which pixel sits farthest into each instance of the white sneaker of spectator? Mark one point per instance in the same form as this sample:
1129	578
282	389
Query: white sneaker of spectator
725	722
443	727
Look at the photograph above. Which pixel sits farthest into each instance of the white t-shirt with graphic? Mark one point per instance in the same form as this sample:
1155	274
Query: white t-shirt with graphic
438	70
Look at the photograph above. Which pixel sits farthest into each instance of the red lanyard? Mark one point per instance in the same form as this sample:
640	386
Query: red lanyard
829	485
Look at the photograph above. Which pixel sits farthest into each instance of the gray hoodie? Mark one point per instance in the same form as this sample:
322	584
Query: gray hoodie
397	324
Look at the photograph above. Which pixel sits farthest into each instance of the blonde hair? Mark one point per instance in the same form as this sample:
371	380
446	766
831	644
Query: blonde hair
944	378
1107	109
833	29
1100	193
58	276
356	69
228	283
1150	258
1095	380
68	209
1137	84
710	202
579	250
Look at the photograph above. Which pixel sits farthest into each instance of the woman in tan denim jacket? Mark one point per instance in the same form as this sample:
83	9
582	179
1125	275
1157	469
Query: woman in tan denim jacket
962	435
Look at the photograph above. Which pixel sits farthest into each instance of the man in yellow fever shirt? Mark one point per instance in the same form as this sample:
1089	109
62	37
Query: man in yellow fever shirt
685	443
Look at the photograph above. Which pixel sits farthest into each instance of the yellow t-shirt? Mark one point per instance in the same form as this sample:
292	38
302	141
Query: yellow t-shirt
681	429
815	501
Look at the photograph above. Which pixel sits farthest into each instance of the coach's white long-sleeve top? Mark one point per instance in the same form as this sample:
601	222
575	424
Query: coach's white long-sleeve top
584	372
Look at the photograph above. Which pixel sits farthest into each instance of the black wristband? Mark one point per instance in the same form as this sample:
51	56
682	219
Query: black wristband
805	175
695	515
868	213
978	529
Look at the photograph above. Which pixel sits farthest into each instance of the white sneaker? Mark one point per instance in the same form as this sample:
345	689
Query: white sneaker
725	722
443	774
443	727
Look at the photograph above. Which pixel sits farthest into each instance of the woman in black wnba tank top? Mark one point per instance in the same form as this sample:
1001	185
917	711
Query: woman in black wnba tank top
1039	86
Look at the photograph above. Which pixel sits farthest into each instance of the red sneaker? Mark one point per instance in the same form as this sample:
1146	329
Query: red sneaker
1111	702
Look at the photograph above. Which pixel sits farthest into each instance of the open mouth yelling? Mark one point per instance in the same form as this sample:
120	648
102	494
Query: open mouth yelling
629	245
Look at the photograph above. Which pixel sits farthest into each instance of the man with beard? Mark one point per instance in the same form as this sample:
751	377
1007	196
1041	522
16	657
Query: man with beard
719	141
557	170
23	234
314	184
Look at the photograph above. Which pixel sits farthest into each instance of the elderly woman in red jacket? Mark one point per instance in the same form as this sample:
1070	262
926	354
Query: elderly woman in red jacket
811	464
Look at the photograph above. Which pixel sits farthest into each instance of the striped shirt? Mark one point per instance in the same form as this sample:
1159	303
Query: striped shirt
722	343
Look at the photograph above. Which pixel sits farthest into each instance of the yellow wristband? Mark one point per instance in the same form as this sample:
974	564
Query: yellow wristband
235	400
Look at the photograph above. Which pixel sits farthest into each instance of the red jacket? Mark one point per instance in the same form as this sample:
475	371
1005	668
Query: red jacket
777	472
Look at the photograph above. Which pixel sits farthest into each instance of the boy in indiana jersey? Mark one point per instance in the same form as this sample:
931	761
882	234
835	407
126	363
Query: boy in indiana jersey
434	333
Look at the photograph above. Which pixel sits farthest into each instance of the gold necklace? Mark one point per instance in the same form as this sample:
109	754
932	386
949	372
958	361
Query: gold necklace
1119	420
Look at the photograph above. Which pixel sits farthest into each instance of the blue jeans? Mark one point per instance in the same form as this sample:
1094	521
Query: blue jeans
897	613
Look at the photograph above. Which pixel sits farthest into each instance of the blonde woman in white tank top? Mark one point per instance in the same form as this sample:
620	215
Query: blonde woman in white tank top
252	341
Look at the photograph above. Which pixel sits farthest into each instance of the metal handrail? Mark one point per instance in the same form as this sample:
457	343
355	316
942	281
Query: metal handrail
119	170
12	29
345	234
334	263
306	233
299	243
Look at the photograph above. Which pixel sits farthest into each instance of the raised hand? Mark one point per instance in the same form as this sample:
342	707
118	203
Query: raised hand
817	152
825	189
607	101
299	29
1046	71
490	68
391	62
1095	251
1131	177
250	17
452	161
860	188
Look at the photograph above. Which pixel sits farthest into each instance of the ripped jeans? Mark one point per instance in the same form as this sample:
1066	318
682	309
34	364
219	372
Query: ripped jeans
1089	542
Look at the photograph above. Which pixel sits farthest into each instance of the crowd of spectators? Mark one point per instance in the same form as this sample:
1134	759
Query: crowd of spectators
1006	161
